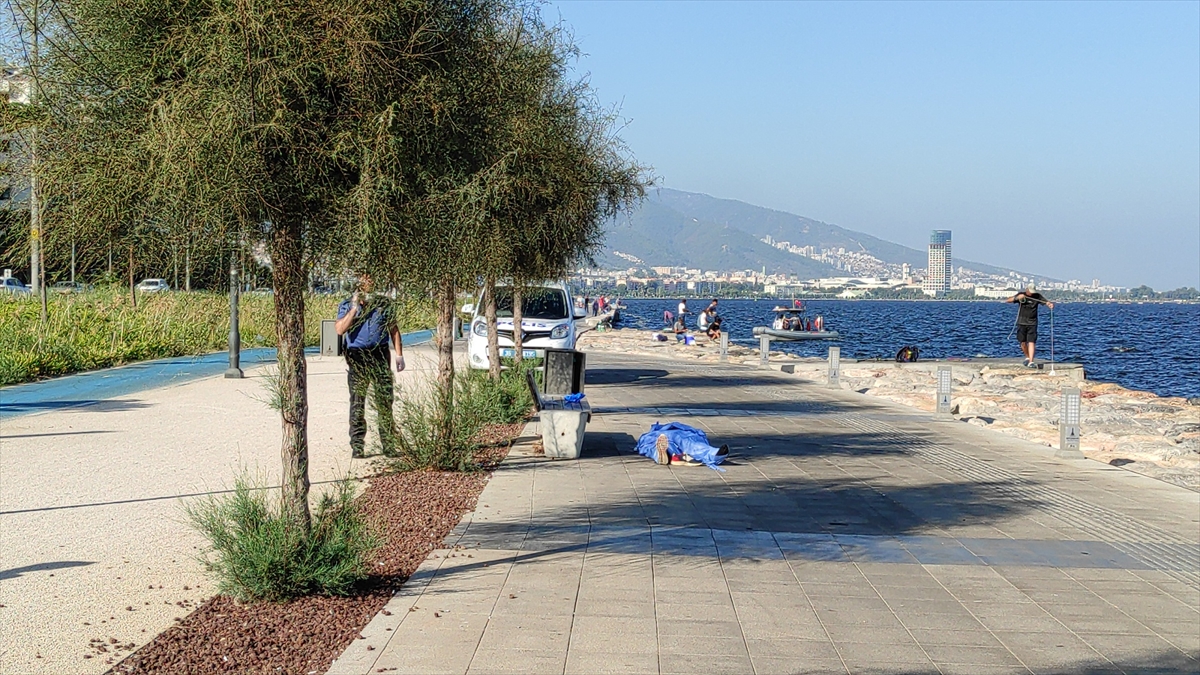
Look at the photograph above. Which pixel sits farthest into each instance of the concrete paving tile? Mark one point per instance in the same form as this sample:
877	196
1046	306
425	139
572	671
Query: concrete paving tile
690	664
854	634
962	621
860	656
505	661
611	662
527	632
732	645
643	608
978	669
918	592
687	612
914	605
673	627
955	638
1131	647
755	628
791	666
676	597
1029	623
801	650
824	603
960	654
840	590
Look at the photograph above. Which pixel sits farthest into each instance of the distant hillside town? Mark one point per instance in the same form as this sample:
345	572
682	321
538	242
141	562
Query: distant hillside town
865	276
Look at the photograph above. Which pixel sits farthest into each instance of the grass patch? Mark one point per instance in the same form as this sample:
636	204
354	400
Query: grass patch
479	402
101	328
258	553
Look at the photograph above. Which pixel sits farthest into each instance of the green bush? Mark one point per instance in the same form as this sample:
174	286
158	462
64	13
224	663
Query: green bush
101	328
259	553
479	401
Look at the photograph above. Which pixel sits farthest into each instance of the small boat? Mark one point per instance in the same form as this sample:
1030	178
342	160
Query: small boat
790	324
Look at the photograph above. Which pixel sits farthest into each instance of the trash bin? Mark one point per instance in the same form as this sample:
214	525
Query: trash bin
564	372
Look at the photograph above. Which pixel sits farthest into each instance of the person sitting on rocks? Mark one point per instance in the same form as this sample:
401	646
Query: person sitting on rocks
680	329
714	328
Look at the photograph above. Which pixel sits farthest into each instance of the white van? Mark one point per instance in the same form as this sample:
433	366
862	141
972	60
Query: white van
547	321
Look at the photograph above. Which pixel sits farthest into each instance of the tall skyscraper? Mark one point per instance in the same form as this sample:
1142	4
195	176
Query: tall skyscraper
941	264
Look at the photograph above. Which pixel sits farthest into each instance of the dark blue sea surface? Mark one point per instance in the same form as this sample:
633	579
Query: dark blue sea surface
1150	347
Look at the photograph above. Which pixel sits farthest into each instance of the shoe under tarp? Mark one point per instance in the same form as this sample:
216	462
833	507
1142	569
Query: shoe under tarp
684	440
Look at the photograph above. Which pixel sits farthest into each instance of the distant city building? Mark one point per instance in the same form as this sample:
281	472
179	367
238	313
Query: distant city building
941	264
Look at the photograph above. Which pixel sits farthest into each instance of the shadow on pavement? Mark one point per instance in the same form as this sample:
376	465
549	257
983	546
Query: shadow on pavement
92	405
599	376
15	572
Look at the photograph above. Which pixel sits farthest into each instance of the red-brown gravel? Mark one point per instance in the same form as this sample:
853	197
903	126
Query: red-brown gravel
414	512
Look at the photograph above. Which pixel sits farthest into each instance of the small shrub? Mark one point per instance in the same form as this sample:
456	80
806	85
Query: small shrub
478	402
259	553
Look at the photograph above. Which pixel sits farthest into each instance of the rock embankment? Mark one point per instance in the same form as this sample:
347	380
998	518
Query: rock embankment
1154	435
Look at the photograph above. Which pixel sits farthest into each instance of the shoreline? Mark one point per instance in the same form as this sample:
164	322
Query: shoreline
1152	435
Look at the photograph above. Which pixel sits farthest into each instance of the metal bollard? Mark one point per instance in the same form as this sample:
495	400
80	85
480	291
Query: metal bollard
764	347
235	338
835	359
1068	425
724	346
944	381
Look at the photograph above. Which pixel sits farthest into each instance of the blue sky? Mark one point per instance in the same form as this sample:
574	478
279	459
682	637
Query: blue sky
1057	138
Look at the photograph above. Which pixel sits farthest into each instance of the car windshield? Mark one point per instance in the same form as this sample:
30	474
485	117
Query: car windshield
536	303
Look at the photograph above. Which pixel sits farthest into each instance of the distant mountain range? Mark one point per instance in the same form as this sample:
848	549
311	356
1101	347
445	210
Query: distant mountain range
689	229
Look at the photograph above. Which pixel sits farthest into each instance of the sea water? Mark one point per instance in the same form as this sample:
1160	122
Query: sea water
1149	346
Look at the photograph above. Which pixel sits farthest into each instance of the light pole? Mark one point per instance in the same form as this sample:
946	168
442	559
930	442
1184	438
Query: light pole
235	339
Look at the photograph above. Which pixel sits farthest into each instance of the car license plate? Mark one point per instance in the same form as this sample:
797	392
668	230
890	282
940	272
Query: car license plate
525	353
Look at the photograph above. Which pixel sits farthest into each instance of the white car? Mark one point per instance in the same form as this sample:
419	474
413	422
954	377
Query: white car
547	321
14	286
153	286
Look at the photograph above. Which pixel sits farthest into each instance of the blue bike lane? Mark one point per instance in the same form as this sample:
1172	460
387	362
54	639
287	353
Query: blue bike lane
89	388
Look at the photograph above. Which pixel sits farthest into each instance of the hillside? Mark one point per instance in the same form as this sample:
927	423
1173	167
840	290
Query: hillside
679	228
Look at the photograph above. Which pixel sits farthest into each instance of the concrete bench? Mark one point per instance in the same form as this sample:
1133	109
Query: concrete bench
562	422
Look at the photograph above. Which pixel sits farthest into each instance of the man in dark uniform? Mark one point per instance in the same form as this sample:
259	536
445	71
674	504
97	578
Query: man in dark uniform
1027	320
368	321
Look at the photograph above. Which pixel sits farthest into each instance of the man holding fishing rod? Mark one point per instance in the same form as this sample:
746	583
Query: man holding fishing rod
1027	320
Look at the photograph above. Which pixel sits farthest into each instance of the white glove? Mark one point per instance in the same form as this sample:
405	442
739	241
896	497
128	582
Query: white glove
399	363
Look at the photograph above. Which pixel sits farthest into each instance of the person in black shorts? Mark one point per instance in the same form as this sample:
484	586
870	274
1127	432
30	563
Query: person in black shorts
1027	320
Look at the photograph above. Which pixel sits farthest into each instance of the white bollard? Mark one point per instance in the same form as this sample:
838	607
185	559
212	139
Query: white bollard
835	358
1068	425
944	381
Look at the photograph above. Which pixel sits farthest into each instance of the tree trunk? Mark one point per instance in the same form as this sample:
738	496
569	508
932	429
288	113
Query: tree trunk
518	331
187	266
445	347
489	311
287	258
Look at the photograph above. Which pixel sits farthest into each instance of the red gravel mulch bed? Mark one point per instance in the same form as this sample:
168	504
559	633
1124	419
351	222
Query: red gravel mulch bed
414	512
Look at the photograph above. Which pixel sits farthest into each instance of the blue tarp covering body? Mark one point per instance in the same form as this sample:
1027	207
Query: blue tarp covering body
684	440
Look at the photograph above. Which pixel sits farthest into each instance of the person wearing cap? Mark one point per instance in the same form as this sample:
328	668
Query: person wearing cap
367	322
1027	320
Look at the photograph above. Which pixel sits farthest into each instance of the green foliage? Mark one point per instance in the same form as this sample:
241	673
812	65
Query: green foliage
260	553
101	328
478	401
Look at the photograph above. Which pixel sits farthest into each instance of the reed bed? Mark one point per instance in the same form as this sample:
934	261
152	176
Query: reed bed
102	328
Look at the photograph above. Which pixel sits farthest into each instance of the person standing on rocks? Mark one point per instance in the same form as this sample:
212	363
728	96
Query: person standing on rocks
368	322
1027	321
682	311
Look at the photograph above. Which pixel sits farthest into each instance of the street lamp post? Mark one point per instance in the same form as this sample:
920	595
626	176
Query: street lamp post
235	339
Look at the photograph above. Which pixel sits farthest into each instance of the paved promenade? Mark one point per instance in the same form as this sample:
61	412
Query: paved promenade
847	535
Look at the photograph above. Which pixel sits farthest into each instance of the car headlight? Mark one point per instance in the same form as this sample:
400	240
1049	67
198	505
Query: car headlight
560	331
479	328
